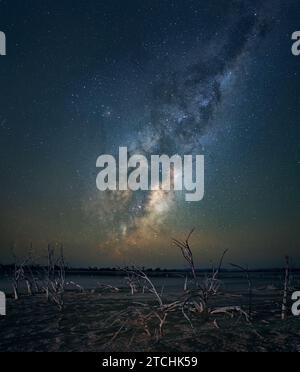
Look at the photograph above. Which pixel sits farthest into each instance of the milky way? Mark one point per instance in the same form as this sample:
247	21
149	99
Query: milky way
215	78
183	104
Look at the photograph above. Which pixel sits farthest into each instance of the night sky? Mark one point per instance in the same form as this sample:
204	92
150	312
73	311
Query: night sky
216	77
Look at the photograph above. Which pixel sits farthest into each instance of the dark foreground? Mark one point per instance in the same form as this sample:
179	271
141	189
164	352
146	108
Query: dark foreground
99	322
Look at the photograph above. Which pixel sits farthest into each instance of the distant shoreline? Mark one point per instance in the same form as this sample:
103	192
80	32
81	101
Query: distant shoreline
117	272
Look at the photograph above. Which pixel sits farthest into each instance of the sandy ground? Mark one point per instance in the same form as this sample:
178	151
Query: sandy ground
94	322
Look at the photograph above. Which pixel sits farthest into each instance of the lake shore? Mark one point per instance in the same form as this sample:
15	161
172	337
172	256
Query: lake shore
96	322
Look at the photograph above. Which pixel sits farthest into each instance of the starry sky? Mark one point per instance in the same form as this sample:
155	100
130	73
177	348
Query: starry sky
217	78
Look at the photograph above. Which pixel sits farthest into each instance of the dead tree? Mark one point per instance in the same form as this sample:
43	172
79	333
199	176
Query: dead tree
132	281
210	286
250	287
212	283
197	300
139	276
55	282
286	289
187	253
152	318
19	275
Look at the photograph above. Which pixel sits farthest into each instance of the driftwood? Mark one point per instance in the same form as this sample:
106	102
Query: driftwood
76	285
107	287
152	319
230	310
